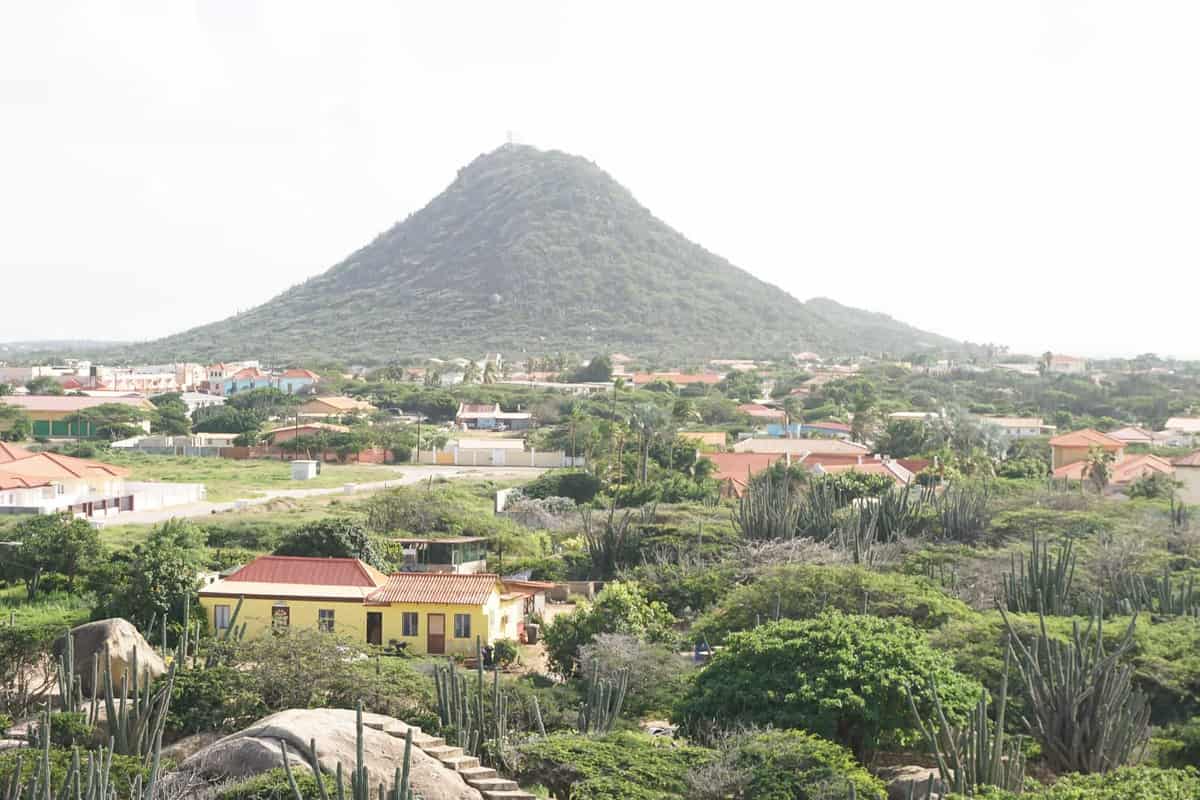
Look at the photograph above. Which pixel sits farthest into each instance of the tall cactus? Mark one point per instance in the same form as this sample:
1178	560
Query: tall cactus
138	714
475	720
769	509
1041	583
977	754
1158	595
605	698
1083	706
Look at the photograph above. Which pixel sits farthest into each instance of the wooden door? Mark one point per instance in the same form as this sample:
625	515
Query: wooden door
374	627
435	634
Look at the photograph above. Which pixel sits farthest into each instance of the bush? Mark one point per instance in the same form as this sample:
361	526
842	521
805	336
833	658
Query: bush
783	765
620	766
6	722
839	676
657	674
582	487
67	729
123	769
1180	745
505	652
216	699
1127	783
801	591
274	785
619	608
336	537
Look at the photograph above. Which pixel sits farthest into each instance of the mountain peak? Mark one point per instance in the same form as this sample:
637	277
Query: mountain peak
534	251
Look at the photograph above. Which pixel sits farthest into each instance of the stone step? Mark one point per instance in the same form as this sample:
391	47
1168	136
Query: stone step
516	794
493	784
443	751
424	741
457	763
477	773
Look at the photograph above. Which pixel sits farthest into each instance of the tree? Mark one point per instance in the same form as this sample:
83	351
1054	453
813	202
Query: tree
490	373
51	543
471	373
44	384
113	421
171	417
336	537
619	608
902	438
153	579
598	370
221	419
1097	469
838	676
15	425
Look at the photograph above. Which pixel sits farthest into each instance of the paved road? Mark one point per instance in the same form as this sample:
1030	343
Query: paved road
405	475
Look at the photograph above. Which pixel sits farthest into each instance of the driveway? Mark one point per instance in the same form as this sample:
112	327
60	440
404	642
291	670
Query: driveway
405	476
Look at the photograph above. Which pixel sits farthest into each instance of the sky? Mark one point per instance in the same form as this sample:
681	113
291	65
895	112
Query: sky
1025	173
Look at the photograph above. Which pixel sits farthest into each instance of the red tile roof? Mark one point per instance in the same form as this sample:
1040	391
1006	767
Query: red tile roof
310	571
1124	471
1190	460
248	372
42	469
677	378
756	410
301	373
436	587
829	425
1086	438
10	452
738	468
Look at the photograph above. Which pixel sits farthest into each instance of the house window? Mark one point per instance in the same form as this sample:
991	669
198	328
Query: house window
462	626
408	624
221	617
325	620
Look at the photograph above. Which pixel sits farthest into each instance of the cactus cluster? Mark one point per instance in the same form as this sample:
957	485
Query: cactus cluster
605	698
1042	582
1084	709
85	780
977	754
769	510
963	512
1158	596
475	724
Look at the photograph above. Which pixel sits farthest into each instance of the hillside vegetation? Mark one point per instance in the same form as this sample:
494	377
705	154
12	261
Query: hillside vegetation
537	252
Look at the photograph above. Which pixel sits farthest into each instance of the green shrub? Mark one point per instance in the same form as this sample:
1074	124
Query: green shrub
274	785
1127	783
657	674
124	768
6	722
217	699
334	537
505	652
582	487
619	608
795	765
801	591
67	729
1179	746
620	766
839	676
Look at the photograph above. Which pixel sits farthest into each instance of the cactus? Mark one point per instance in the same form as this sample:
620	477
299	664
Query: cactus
360	789
605	698
977	754
476	722
1083	706
231	634
858	535
1158	596
136	724
91	783
70	689
769	509
963	511
1181	517
1044	584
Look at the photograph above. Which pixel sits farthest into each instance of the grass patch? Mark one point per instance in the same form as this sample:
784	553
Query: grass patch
228	479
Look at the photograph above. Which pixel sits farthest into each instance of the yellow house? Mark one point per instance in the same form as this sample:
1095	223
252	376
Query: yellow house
333	406
1070	448
425	613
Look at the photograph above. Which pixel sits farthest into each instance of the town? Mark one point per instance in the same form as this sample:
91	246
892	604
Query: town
598	545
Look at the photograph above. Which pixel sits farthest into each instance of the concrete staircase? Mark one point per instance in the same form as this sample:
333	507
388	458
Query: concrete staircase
483	779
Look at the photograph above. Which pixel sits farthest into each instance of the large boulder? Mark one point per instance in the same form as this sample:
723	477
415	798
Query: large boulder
121	640
912	783
256	749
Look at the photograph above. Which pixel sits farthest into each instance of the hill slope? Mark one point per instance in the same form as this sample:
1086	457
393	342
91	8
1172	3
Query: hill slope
533	251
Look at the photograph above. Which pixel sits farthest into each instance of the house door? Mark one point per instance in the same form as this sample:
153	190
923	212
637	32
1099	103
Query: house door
374	627
436	634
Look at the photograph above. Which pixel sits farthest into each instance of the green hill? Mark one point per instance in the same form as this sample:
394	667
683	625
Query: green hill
536	252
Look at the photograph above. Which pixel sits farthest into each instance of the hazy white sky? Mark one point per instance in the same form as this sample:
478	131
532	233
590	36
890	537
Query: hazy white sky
1019	172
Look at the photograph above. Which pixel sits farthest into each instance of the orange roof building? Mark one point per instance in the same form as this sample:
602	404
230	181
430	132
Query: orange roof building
1069	448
